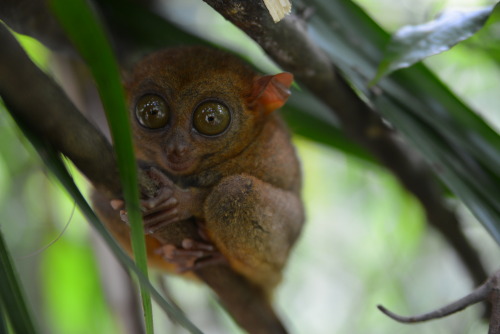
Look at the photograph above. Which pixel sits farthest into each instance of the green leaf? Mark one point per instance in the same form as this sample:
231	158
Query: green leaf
12	298
412	44
86	33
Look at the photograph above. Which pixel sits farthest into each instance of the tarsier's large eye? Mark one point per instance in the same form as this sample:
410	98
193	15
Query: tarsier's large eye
211	118
152	111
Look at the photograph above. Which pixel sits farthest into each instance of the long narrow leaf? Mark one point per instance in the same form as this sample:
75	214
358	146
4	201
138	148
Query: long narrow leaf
12	297
87	35
3	318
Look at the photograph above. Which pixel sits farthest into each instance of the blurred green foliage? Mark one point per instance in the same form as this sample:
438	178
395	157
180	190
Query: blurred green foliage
365	241
77	280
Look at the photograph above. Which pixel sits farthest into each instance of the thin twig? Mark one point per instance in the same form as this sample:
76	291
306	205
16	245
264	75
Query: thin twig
489	291
476	296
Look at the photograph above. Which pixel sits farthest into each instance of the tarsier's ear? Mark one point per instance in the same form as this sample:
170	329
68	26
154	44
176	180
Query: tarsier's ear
270	92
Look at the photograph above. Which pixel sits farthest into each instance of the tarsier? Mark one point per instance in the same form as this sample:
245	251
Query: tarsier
205	130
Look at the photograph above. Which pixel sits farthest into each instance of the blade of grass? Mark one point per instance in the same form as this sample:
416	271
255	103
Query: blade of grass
85	32
12	296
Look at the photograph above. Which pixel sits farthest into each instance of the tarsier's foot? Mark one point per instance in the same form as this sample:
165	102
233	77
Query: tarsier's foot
191	255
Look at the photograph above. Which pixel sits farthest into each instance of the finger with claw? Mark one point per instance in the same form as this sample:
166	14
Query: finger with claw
191	255
168	205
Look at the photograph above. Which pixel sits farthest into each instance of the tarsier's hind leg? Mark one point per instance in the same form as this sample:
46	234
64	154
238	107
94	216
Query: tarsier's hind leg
254	224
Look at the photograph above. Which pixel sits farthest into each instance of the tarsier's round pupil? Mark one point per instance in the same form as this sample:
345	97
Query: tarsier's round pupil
211	118
151	111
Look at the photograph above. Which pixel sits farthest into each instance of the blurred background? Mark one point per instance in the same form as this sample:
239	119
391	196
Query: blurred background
365	242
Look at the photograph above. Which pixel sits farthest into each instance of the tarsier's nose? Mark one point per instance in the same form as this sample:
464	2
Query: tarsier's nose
180	150
177	150
177	146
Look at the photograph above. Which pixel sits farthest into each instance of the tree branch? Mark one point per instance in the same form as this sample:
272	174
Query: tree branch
39	103
489	291
33	18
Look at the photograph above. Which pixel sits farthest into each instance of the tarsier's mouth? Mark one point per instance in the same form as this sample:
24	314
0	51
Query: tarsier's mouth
180	166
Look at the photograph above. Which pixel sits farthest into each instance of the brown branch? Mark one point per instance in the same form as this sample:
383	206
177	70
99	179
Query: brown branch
288	44
33	18
489	291
39	103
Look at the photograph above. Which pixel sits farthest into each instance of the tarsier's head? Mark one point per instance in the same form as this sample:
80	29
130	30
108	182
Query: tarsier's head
194	107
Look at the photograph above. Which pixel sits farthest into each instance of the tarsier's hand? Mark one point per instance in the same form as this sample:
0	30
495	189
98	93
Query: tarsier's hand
170	204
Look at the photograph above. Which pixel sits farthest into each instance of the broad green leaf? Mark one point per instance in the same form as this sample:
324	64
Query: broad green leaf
86	33
12	301
412	44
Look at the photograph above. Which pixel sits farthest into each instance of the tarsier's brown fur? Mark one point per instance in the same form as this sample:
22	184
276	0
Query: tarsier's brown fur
238	191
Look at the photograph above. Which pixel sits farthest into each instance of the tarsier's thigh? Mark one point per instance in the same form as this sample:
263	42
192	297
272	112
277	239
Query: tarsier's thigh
253	224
